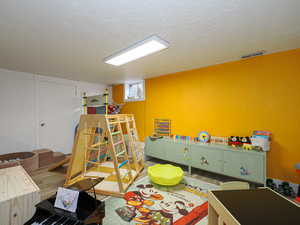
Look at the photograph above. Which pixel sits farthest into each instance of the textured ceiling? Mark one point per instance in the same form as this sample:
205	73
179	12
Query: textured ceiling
70	38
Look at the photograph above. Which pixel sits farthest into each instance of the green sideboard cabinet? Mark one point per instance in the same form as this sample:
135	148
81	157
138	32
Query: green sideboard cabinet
203	158
242	164
245	166
156	149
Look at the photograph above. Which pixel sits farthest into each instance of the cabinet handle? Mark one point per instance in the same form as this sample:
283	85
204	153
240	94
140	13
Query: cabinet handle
203	161
244	171
185	152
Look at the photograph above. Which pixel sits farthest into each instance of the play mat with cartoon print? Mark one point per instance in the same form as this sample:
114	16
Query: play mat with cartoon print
147	203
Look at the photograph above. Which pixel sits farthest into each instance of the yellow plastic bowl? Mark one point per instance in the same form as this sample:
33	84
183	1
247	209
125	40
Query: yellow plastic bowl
165	174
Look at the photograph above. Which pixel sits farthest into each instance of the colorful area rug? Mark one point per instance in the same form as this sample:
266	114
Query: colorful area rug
150	204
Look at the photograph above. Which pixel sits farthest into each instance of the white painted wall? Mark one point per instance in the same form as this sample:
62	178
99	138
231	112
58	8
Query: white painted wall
20	112
17	112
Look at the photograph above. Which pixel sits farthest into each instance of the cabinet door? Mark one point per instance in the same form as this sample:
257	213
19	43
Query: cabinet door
206	159
244	165
177	152
155	148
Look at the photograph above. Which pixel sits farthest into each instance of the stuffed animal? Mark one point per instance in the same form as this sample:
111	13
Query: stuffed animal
247	146
245	140
234	141
246	143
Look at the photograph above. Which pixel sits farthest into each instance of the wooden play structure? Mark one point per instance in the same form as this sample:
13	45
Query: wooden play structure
106	146
91	103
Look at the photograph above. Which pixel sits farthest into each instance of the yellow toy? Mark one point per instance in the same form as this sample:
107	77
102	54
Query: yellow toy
165	174
247	146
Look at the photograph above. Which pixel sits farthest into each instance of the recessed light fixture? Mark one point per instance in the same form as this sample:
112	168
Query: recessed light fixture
138	50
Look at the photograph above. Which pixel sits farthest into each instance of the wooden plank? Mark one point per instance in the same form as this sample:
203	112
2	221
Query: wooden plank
77	163
212	215
219	210
59	164
102	169
125	149
45	157
15	181
131	144
113	154
98	144
18	196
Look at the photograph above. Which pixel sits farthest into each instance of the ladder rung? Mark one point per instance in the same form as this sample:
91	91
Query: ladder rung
120	142
114	122
97	144
93	149
89	133
91	176
120	153
123	163
92	162
116	132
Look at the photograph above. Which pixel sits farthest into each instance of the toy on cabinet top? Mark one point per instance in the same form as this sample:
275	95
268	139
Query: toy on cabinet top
162	127
234	141
246	143
181	138
154	137
218	140
261	140
204	137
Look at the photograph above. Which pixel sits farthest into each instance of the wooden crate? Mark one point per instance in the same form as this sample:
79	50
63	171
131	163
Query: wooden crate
45	157
18	196
29	160
58	157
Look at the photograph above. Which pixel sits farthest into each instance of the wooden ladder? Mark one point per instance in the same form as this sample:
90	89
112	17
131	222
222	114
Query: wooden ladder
118	149
133	139
97	147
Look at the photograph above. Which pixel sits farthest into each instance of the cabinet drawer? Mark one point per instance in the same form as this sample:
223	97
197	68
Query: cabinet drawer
206	159
178	153
156	148
244	166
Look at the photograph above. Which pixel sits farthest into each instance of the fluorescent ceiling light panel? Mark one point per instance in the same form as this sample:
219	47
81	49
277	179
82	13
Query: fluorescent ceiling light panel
138	50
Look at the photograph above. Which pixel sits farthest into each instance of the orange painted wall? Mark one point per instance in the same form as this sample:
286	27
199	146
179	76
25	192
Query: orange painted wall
231	99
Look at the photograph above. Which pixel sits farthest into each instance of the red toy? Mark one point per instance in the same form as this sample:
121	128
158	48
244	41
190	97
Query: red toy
234	141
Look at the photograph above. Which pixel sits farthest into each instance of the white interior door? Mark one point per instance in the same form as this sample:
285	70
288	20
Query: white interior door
56	111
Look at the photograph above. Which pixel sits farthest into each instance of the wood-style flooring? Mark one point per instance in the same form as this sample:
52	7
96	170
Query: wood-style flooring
48	182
